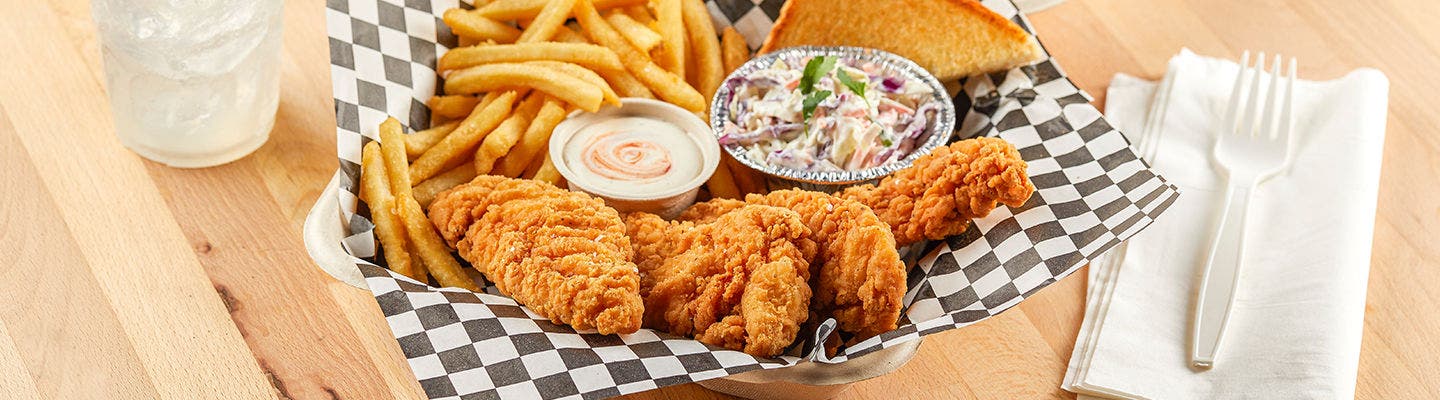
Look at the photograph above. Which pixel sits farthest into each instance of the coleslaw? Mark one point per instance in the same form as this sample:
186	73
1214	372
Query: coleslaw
833	114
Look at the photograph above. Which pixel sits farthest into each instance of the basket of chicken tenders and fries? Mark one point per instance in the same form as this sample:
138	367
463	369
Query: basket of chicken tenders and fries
589	198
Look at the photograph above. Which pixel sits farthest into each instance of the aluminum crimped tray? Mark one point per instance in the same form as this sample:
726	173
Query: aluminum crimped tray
937	133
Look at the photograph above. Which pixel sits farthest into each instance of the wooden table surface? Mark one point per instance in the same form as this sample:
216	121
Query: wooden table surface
123	278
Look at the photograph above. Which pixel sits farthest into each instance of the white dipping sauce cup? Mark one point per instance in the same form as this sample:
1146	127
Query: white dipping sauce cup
667	203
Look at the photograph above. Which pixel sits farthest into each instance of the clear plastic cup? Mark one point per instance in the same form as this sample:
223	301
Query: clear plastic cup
191	83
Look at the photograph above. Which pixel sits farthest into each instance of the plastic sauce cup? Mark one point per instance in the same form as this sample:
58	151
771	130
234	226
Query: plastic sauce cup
667	201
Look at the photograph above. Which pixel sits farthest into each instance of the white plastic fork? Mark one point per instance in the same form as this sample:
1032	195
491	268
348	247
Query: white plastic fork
1248	150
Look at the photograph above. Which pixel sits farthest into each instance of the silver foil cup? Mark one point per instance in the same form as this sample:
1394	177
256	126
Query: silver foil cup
937	134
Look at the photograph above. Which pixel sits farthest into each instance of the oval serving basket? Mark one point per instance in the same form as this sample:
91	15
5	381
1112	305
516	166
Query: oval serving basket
1092	193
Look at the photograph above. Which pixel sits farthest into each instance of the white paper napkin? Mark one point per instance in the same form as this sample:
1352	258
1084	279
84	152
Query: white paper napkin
1295	328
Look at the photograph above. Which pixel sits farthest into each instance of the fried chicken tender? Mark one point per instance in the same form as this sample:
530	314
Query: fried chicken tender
941	192
738	281
857	277
562	254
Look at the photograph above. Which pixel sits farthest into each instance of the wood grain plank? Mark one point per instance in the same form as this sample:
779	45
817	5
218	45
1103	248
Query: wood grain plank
364	315
689	391
998	359
1387	369
57	348
1003	357
1055	314
162	299
1069	32
13	376
300	156
1419	21
275	295
297	160
931	371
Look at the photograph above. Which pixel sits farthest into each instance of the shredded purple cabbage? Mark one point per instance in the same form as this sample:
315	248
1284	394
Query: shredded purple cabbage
733	85
790	159
780	131
892	84
918	121
765	82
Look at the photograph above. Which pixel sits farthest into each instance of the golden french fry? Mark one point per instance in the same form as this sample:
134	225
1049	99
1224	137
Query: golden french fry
635	32
626	84
488	77
705	47
490	97
487	99
509	10
432	248
722	184
468	23
690	63
375	189
463	140
547	21
392	148
422	235
548	173
426	191
535	140
671	25
500	141
667	86
452	106
733	50
640	14
416	143
585	75
589	55
421	273
564	34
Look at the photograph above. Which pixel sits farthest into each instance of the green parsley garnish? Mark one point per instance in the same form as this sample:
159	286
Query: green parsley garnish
855	86
811	101
816	68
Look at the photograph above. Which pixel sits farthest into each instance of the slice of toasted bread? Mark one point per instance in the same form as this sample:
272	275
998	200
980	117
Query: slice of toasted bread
950	38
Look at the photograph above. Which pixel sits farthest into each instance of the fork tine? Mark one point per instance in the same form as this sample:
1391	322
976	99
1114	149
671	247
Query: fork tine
1252	105
1268	124
1231	123
1286	119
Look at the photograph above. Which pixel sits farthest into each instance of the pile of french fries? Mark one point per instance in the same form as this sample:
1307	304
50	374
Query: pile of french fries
522	66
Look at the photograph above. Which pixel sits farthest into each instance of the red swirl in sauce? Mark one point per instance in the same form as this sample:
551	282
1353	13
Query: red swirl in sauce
626	159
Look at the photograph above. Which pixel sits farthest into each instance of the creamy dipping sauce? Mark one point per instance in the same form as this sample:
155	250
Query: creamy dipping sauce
633	155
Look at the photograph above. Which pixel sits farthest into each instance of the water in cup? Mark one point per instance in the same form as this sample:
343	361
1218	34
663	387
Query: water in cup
192	83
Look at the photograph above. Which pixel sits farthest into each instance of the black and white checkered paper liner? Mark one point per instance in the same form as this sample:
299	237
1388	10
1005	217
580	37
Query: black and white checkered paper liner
1093	192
